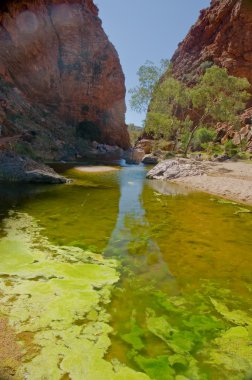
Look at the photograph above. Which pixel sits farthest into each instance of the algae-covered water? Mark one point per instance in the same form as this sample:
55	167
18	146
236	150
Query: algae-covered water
117	277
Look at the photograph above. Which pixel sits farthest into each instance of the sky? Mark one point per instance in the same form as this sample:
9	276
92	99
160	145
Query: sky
144	30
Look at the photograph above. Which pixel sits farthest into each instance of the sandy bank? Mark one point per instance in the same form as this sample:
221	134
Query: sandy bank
95	169
232	180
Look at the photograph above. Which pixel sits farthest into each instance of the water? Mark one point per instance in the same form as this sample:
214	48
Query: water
117	277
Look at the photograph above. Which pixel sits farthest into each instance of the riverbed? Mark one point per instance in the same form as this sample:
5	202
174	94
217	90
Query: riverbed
114	276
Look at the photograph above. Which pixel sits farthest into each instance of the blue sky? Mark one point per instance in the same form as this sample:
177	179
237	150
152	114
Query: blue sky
146	30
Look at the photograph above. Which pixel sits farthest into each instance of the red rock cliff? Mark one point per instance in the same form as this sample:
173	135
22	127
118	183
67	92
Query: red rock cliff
222	35
59	75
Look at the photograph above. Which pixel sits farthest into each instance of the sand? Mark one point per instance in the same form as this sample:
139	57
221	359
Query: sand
231	180
95	169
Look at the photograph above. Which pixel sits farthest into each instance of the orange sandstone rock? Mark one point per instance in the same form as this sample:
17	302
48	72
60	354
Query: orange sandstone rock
59	75
223	36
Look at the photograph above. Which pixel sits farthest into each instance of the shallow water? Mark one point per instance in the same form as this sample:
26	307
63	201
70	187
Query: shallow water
118	277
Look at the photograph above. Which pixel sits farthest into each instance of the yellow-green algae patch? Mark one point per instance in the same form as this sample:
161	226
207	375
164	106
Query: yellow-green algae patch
59	295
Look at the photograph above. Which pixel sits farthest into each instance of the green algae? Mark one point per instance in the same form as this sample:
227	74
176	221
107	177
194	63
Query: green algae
195	333
237	317
134	338
232	353
157	368
51	294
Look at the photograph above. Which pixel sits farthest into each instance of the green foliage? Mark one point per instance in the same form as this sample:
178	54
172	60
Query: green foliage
219	96
148	76
177	112
206	65
170	98
230	148
134	133
203	136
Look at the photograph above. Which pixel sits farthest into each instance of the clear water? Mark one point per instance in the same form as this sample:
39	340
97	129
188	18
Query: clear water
117	277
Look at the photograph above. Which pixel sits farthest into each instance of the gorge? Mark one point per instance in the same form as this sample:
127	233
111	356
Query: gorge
115	276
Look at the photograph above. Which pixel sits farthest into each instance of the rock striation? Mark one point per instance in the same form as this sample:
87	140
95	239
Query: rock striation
222	36
61	82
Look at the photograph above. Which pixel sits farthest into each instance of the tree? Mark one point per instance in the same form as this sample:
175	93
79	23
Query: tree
148	76
218	97
177	111
167	111
134	133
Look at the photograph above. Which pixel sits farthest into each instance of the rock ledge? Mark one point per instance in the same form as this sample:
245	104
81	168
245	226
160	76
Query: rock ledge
15	168
178	168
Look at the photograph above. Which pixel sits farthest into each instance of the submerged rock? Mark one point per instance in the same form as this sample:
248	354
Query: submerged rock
181	167
14	168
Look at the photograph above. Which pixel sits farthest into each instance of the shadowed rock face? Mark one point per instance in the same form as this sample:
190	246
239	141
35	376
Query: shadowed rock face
60	76
222	35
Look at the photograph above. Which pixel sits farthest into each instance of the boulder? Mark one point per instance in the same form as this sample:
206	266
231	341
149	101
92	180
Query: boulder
133	156
177	168
149	159
146	145
15	168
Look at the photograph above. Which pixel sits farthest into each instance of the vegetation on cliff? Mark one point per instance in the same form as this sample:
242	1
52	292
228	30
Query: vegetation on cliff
187	115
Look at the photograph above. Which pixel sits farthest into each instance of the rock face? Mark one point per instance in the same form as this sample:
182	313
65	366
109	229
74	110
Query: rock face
222	35
150	159
14	168
61	81
227	132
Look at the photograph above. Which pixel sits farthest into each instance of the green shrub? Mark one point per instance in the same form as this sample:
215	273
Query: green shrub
206	65
134	132
230	148
169	155
203	136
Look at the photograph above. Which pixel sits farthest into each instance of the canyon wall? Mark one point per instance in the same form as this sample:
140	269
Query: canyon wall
223	36
61	82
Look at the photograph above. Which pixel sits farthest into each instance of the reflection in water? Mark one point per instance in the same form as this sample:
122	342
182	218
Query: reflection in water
132	240
167	188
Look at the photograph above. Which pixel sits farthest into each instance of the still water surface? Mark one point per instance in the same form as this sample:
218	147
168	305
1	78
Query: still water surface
117	277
